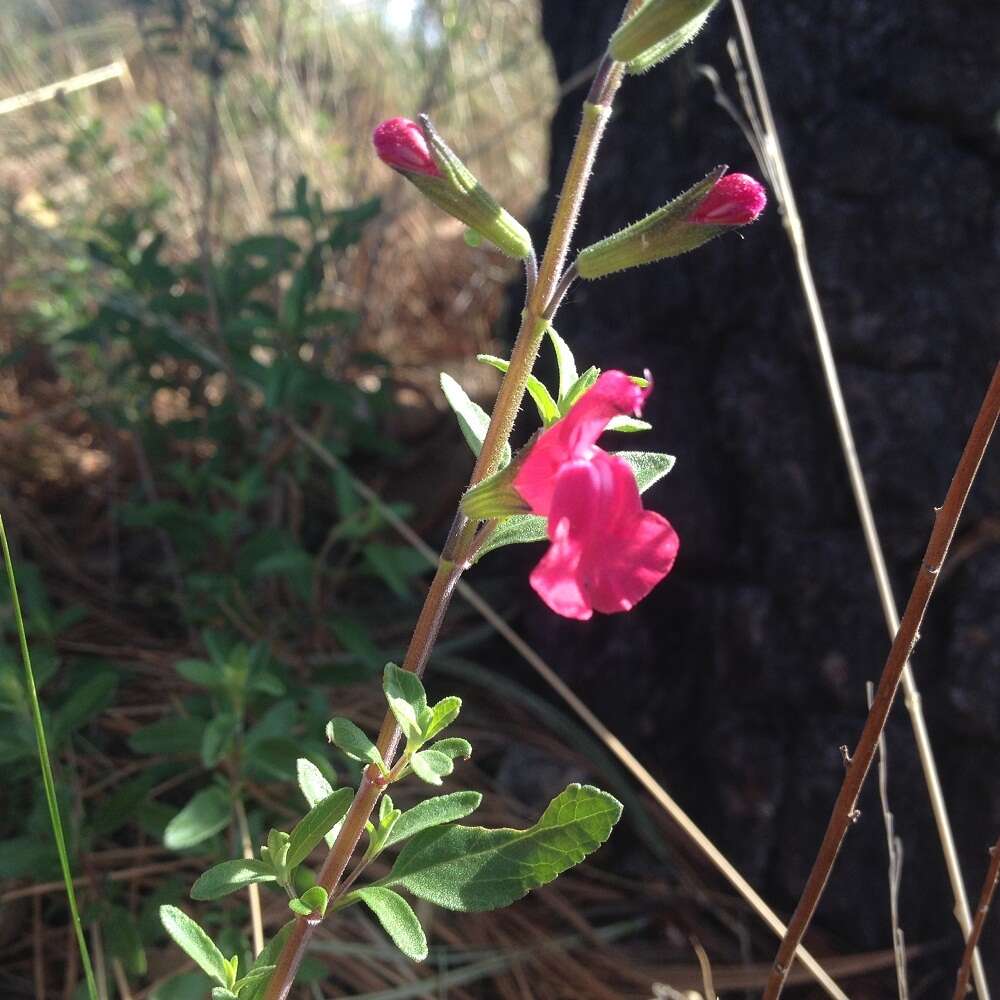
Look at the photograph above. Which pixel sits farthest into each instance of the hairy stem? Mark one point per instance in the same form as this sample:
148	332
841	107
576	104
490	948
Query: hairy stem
845	808
461	537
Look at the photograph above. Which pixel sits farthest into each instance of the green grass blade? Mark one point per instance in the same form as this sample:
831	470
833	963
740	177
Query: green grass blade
46	766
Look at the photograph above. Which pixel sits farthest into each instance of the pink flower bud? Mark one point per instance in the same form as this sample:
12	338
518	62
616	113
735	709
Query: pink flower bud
401	144
735	200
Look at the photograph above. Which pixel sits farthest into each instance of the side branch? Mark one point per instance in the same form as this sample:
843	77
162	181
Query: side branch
844	810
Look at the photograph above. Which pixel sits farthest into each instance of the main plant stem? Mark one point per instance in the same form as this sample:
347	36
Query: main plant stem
845	808
596	110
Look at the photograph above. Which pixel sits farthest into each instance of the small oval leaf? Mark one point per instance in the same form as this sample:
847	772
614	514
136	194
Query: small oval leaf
397	919
230	876
195	943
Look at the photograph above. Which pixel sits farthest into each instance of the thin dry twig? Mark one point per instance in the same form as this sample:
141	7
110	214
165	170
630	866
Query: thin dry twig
845	809
253	890
894	847
706	970
985	898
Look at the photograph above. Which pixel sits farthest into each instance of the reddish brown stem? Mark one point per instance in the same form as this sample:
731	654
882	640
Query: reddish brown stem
844	810
424	634
985	898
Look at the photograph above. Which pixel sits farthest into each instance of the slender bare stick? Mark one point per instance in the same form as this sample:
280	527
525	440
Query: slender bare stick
253	890
844	810
985	898
894	851
768	147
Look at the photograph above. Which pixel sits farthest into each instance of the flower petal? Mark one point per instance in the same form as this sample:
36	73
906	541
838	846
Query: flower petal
575	435
607	553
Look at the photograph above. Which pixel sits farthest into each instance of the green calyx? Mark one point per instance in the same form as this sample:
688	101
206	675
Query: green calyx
663	233
657	30
494	497
458	193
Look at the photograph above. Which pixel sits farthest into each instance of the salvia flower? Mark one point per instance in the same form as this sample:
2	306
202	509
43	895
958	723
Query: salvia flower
606	551
712	207
424	159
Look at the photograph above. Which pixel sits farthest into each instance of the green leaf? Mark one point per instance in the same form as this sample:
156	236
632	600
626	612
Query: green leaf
169	735
455	747
431	766
628	425
406	697
312	901
314	787
397	919
433	812
121	807
204	816
87	701
473	869
255	977
316	823
649	468
199	672
275	853
566	364
196	944
578	388
231	876
518	529
548	411
443	714
342	733
217	739
472	418
221	993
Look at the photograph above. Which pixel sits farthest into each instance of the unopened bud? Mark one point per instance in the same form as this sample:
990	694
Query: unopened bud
666	47
401	144
680	226
424	159
736	200
656	30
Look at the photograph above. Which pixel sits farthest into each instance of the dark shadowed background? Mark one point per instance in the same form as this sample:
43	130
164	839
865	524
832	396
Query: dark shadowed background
740	676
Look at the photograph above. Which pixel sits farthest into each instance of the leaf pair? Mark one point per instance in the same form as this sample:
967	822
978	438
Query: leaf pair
473	869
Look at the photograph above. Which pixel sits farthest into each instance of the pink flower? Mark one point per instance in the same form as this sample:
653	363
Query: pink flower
401	144
607	553
734	201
